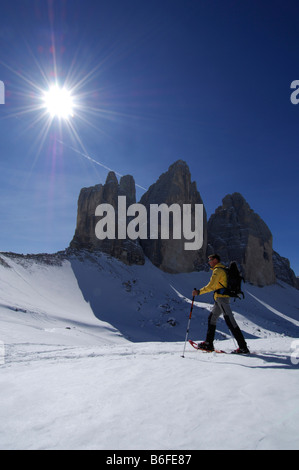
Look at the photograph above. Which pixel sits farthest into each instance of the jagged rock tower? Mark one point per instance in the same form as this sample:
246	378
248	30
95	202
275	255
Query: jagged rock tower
174	187
128	251
237	233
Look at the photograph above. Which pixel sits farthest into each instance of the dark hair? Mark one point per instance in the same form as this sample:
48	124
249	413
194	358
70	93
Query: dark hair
214	255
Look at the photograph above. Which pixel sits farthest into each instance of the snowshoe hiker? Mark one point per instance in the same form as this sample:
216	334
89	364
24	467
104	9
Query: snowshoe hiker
217	284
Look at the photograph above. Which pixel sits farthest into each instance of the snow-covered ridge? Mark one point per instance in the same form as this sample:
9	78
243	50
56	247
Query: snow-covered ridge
141	302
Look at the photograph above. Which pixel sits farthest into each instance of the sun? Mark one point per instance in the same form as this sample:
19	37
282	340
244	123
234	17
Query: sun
59	102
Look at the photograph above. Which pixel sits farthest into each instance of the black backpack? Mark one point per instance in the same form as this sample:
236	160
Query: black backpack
234	281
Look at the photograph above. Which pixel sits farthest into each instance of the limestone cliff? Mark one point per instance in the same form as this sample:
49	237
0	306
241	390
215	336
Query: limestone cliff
174	187
126	250
237	233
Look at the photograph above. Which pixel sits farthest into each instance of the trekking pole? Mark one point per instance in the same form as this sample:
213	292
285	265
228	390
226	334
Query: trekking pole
188	326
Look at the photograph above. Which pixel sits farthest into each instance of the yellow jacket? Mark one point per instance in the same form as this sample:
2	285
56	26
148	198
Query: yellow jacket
217	281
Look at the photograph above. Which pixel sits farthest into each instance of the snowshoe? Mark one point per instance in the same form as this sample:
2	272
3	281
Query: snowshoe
241	351
205	346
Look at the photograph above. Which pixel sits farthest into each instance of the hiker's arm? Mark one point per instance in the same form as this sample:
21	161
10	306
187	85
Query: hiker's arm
213	284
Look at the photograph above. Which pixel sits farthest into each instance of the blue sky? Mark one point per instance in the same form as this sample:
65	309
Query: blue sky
153	81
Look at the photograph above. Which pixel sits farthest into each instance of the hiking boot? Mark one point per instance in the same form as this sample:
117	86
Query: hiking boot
206	346
241	351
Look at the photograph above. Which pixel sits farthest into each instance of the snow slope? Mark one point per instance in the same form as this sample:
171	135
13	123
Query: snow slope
91	359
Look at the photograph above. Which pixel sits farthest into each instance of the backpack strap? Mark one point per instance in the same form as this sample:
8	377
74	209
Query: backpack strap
222	290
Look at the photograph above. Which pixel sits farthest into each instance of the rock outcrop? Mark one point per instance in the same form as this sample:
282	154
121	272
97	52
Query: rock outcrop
174	187
283	270
170	255
128	251
237	233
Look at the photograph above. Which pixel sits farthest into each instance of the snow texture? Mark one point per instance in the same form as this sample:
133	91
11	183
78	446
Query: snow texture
91	352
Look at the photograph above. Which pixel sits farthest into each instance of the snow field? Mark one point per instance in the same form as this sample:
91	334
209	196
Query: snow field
72	380
149	397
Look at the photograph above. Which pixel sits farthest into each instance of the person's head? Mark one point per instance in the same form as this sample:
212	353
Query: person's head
213	260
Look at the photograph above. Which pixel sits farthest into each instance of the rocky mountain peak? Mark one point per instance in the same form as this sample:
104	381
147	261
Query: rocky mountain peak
237	233
126	250
174	187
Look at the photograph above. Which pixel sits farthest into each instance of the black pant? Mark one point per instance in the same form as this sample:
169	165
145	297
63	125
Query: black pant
222	306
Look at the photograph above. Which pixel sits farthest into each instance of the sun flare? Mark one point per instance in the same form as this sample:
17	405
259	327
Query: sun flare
59	102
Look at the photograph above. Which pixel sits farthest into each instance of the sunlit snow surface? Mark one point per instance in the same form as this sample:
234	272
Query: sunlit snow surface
91	359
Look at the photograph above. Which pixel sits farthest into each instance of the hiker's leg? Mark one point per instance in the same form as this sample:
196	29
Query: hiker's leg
213	317
231	323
